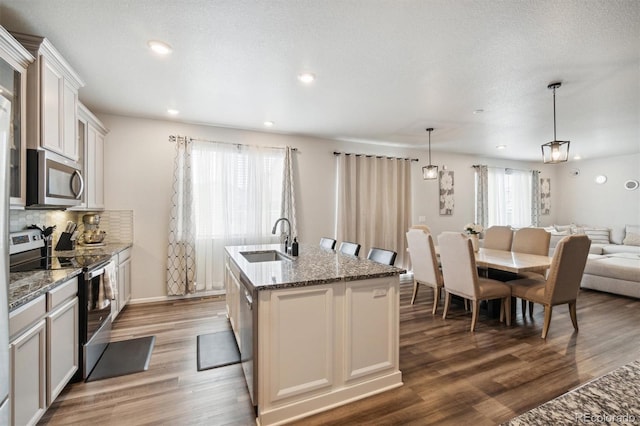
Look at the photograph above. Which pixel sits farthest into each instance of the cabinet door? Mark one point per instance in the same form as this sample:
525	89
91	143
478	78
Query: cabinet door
124	283
69	121
62	347
28	375
52	89
95	168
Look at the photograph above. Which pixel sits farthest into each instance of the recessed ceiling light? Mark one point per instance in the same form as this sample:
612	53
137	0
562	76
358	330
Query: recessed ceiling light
478	111
501	146
577	157
172	111
161	48
268	123
307	77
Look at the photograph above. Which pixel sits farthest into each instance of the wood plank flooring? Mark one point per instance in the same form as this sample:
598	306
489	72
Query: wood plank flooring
451	376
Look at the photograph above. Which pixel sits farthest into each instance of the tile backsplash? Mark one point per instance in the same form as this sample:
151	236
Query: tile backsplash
118	224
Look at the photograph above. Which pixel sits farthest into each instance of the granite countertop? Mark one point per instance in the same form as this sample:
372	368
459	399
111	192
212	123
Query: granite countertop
314	265
27	286
610	399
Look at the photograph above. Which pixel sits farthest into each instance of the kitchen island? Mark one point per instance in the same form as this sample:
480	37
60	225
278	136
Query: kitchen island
315	331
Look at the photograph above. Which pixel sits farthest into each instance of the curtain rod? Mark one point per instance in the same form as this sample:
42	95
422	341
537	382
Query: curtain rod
371	155
175	138
475	166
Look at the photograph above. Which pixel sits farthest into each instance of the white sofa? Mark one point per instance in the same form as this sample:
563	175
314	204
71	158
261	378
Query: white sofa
614	260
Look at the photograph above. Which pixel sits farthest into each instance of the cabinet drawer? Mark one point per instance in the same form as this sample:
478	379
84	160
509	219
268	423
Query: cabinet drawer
26	315
61	293
124	255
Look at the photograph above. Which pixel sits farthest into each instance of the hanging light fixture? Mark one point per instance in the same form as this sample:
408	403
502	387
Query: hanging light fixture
555	151
430	172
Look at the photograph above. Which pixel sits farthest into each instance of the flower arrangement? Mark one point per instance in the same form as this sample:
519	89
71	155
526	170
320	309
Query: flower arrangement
473	228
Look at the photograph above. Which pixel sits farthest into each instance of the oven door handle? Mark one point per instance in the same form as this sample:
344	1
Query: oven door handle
95	272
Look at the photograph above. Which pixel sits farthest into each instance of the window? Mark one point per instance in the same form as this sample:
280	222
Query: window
509	197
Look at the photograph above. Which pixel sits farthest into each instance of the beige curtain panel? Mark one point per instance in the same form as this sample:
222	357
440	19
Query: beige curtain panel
374	202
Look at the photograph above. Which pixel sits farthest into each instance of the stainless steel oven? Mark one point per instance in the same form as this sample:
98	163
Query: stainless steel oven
28	252
53	181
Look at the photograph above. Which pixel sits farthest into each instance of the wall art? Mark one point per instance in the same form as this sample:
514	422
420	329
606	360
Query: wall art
545	196
446	192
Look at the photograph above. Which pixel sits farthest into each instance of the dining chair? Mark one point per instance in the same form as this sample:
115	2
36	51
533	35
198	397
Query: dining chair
328	243
424	264
461	277
531	241
563	280
387	257
424	228
498	238
347	247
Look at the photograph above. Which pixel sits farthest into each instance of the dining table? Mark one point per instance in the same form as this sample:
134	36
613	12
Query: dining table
511	261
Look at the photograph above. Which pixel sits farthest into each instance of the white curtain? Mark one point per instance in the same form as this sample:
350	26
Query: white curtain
181	261
374	202
288	208
238	197
509	197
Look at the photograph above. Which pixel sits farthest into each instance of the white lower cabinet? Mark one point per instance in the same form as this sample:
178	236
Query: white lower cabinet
123	286
43	350
28	354
232	284
62	347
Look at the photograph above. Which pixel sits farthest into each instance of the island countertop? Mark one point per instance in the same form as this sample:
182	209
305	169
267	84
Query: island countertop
313	266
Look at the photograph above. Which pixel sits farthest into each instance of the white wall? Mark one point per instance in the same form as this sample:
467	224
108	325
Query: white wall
139	168
583	201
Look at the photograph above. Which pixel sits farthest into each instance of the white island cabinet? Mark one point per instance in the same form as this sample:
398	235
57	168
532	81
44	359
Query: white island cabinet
325	329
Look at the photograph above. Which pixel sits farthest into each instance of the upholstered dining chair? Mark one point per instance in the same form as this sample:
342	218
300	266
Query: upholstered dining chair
347	247
424	264
461	277
498	238
387	257
424	228
563	280
328	243
531	241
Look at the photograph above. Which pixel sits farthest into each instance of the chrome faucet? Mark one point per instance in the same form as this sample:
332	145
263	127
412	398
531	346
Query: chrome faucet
288	240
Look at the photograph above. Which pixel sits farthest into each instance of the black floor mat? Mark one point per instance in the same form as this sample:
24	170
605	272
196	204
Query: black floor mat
124	357
217	350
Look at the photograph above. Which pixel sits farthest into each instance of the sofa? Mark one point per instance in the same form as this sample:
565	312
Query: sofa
613	264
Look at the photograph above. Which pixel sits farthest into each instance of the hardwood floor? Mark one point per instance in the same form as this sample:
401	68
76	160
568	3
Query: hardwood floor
450	375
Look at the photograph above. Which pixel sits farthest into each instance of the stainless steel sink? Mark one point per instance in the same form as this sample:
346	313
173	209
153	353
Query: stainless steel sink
264	256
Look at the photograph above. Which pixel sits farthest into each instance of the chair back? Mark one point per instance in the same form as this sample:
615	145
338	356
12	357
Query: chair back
347	247
423	257
387	257
328	243
424	228
498	238
567	266
531	241
458	264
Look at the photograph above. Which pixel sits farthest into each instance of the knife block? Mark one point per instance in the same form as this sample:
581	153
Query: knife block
65	242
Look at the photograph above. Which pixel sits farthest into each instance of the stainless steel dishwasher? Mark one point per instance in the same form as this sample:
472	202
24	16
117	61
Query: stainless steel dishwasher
248	318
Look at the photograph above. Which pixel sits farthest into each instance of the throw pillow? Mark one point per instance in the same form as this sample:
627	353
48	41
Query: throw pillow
562	228
631	239
598	235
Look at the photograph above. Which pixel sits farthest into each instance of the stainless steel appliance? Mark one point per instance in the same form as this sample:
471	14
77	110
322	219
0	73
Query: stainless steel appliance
248	319
53	181
92	235
28	252
5	125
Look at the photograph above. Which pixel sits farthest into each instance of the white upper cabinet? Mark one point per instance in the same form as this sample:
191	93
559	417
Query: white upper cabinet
52	93
91	137
14	60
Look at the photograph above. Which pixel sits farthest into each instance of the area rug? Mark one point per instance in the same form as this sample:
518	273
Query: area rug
610	399
217	350
124	357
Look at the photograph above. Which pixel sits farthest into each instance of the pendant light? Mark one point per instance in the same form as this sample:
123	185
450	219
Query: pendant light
555	151
430	172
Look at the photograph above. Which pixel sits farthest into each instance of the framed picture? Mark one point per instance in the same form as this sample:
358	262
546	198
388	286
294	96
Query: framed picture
446	192
545	196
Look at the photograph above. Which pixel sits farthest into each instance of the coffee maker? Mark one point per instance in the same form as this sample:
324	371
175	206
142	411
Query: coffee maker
92	235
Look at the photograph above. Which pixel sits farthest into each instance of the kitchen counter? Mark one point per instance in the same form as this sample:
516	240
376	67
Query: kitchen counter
314	331
314	265
26	286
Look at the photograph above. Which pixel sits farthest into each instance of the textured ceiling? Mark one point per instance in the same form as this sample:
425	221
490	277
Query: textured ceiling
385	70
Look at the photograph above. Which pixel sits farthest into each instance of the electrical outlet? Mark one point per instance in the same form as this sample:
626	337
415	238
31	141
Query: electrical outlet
422	219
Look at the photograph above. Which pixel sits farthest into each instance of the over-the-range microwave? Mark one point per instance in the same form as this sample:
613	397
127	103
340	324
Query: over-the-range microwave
53	181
